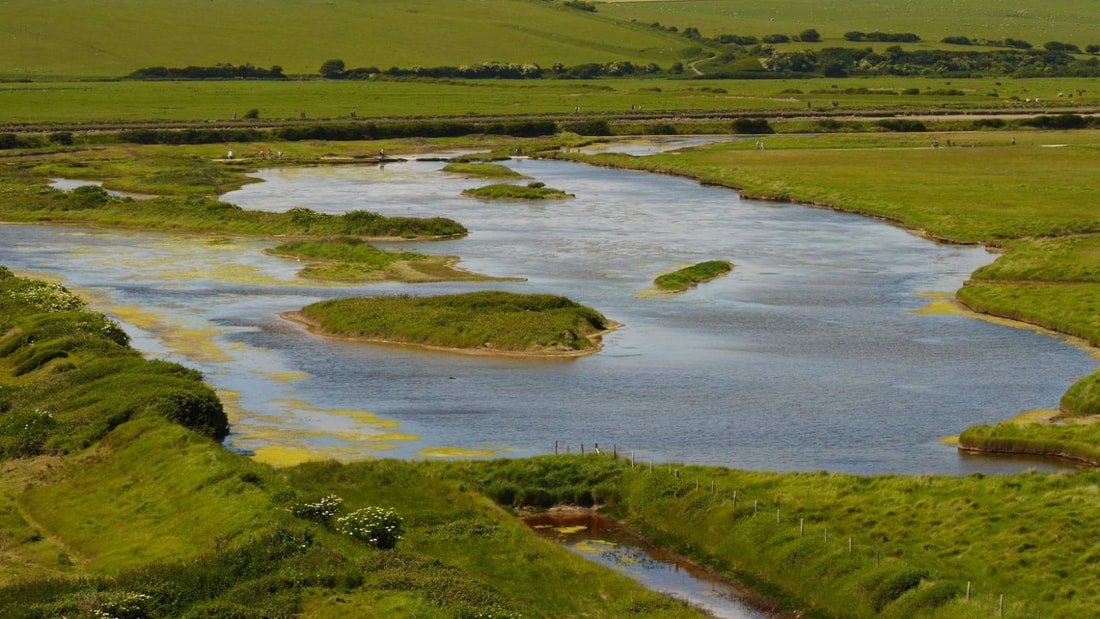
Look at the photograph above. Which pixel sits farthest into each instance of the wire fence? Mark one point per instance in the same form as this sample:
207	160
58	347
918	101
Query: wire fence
983	602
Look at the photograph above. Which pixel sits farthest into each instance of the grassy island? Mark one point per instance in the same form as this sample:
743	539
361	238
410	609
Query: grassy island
353	260
482	170
476	322
689	277
93	206
505	191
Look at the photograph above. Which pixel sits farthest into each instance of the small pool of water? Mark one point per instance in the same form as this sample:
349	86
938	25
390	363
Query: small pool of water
609	543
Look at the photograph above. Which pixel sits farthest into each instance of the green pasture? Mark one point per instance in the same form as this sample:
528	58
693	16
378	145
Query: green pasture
56	38
1068	21
217	101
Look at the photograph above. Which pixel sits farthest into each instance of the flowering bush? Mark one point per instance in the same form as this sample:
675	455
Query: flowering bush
321	511
379	527
48	297
121	605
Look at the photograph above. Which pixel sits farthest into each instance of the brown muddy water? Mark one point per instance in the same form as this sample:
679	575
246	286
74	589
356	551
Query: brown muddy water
814	353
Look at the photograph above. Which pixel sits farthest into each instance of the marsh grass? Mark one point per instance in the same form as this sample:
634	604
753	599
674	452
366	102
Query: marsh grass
482	170
504	191
350	259
689	277
501	322
93	206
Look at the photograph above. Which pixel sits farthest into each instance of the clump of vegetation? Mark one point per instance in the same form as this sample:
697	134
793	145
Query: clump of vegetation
93	205
689	277
79	378
505	191
379	527
500	322
349	258
482	170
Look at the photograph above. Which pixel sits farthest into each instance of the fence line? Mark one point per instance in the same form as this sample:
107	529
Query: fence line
988	603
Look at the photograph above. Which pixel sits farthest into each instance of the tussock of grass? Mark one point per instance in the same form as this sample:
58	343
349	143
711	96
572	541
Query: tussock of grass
499	322
482	170
351	259
689	277
505	191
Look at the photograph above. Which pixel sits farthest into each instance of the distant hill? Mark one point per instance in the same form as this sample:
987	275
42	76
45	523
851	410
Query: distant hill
78	38
1036	21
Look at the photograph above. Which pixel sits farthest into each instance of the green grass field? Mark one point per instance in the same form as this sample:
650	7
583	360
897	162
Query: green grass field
1071	21
217	101
55	38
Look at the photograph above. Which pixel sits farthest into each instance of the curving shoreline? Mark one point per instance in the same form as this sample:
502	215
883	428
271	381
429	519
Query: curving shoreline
990	445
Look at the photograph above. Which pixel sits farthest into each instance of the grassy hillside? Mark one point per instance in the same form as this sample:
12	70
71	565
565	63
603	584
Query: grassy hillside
56	37
1070	21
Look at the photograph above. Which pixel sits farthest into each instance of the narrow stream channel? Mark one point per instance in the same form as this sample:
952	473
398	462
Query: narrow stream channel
604	541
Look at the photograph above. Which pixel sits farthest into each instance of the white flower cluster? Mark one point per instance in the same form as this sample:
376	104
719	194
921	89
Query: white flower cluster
48	297
123	605
322	511
37	419
380	527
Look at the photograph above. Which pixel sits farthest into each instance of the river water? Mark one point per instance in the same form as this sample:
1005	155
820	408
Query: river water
814	353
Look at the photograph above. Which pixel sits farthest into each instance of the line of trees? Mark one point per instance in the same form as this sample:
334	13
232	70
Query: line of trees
336	69
218	71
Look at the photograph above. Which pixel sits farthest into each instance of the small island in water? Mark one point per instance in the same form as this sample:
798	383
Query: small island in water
489	322
482	170
689	277
350	259
506	191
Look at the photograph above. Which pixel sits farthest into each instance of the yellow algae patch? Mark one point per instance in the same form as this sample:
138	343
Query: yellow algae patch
141	319
193	343
455	452
1039	416
283	377
281	455
571	530
231	403
595	545
950	440
358	436
362	417
939	303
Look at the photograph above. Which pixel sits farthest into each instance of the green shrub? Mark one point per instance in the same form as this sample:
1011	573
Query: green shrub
321	511
753	126
199	410
379	527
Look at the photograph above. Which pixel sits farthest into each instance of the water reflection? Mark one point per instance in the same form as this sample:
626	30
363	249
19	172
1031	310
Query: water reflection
808	356
604	541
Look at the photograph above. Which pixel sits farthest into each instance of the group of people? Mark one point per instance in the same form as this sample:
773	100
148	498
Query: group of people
264	154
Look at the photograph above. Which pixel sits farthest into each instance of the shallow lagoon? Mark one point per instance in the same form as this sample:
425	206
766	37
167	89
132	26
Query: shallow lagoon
811	355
